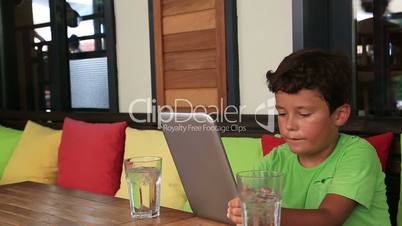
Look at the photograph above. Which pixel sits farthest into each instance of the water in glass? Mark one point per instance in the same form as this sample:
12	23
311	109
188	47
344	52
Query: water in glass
144	191
261	209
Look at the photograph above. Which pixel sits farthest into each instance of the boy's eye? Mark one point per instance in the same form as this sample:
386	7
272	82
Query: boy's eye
281	114
304	114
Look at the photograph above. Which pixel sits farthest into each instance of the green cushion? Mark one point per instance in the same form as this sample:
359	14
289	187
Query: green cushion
399	216
242	153
9	139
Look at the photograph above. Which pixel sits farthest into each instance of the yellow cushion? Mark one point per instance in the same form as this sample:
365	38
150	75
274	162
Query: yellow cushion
35	157
152	143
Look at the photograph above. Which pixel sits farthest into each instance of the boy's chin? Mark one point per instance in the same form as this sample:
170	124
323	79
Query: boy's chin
297	152
296	149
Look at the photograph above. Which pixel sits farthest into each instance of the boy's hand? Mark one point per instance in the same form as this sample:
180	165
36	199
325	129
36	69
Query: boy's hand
234	211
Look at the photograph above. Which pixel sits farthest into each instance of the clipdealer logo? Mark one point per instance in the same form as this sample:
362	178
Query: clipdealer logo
223	115
268	109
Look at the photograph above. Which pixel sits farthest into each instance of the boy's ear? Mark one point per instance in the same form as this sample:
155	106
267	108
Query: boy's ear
341	114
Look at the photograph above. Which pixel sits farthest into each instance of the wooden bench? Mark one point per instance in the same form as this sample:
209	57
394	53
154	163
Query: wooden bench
358	126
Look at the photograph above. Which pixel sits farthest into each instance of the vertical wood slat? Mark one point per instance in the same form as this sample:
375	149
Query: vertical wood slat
199	96
202	20
221	51
188	41
160	89
190	60
173	7
205	78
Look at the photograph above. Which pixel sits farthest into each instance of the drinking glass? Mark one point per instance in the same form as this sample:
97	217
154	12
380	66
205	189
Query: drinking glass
260	196
143	176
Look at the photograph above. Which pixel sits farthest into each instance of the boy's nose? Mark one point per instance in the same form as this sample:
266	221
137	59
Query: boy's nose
291	123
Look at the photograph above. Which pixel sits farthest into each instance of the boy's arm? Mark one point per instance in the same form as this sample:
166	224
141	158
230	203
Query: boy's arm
334	210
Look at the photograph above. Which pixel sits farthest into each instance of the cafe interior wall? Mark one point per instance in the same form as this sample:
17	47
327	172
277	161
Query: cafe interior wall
264	38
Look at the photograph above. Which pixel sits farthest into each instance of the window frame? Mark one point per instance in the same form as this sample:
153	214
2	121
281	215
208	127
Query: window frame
60	88
336	31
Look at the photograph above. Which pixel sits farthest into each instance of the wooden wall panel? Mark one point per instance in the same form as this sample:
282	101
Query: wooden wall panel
199	59
201	96
190	79
188	41
173	7
190	52
202	20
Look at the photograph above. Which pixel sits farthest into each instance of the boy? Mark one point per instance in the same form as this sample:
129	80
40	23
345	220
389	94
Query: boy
330	178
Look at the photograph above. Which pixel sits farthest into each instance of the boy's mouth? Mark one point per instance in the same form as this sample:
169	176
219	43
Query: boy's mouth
293	139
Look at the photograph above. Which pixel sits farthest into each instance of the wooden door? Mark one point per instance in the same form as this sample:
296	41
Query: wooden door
190	56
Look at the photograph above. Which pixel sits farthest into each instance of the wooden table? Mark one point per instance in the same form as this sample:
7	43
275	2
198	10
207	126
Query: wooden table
30	203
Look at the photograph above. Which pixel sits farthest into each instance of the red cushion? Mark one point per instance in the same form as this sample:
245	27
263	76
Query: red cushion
91	156
270	142
381	143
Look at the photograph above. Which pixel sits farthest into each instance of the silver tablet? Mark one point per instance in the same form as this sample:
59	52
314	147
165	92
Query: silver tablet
201	161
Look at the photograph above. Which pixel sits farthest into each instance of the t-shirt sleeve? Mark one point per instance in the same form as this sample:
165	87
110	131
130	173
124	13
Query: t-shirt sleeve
357	174
267	161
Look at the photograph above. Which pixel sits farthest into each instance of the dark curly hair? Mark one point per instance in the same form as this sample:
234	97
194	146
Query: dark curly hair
314	69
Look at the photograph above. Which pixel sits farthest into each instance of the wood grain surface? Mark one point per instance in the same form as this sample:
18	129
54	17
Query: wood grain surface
30	203
189	41
201	20
174	7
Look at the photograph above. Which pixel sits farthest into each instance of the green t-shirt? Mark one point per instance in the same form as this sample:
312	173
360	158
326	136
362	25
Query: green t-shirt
353	170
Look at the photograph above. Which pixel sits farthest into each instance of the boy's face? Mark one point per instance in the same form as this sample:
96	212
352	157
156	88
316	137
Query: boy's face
305	121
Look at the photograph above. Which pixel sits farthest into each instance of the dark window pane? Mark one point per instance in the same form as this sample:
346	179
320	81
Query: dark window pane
379	58
86	27
32	36
395	17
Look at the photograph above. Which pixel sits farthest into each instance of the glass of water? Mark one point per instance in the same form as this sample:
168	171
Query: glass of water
260	196
143	176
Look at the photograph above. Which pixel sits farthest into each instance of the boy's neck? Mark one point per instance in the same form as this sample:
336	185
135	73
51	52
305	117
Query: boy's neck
312	160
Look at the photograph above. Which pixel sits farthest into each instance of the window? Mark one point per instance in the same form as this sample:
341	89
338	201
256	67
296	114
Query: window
379	57
369	32
58	55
